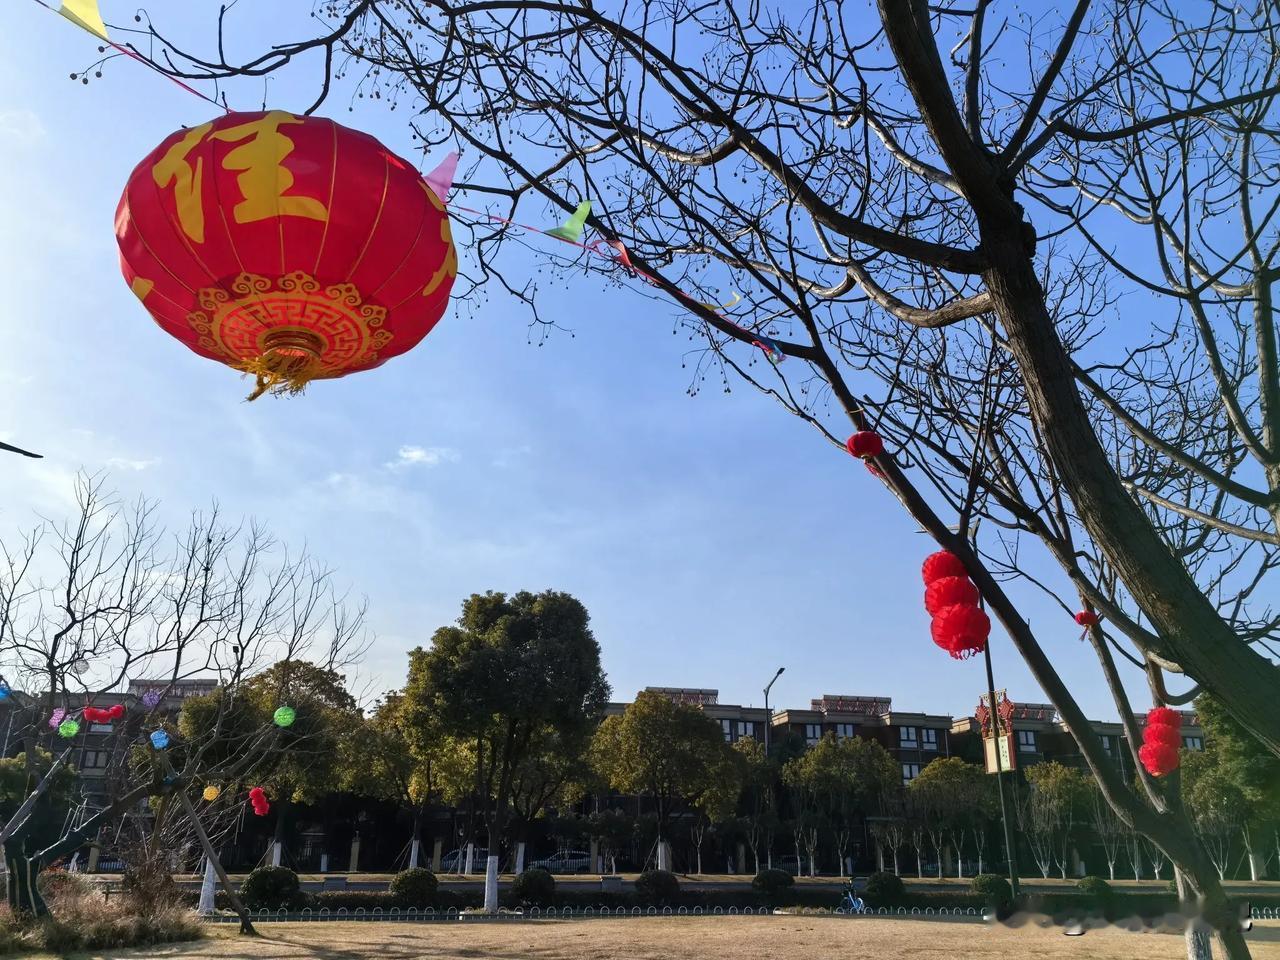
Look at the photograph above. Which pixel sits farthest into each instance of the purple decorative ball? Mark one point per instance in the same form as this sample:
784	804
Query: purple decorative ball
56	717
150	699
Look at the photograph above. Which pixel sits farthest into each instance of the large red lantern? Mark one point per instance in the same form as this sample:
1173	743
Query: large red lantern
290	248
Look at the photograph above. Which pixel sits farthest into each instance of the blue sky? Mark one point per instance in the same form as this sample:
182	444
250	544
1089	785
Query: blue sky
712	538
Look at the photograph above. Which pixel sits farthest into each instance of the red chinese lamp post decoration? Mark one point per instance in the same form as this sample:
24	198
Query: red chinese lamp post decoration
1161	738
290	248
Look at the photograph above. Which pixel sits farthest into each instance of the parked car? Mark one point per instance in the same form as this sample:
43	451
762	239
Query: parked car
455	860
565	861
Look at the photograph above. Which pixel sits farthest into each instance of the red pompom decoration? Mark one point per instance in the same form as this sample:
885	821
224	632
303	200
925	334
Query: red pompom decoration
1164	734
944	563
1087	618
961	629
95	715
258	797
1158	758
865	443
946	591
1163	715
116	711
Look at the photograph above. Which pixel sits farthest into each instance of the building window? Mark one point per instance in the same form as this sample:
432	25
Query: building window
727	727
1026	741
929	739
907	738
1193	743
94	759
909	772
812	733
1106	743
844	731
746	728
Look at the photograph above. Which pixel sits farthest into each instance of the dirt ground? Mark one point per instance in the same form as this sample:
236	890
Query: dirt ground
696	938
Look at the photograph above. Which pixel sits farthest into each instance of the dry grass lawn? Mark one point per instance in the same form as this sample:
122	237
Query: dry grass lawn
696	938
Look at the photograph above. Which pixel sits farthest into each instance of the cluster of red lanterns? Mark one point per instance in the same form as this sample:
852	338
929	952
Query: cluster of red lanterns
258	797
103	714
959	625
1161	738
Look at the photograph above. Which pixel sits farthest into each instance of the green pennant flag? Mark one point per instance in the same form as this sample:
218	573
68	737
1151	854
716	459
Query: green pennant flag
571	231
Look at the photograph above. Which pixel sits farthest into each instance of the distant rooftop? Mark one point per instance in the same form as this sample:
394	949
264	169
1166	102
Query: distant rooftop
698	696
852	703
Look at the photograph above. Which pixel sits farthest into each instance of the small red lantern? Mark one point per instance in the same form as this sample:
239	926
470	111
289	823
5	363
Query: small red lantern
1158	758
864	444
961	629
258	797
1161	739
944	563
946	591
116	711
1087	618
290	248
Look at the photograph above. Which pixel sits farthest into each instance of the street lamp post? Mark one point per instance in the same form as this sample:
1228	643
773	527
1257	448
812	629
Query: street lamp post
768	714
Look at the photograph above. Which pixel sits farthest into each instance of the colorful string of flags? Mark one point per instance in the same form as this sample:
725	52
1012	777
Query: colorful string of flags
87	15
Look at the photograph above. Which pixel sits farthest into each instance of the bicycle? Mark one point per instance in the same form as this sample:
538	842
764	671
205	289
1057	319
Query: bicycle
851	901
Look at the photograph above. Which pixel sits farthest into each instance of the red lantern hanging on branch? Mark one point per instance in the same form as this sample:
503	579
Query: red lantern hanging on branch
1087	618
1161	738
961	629
947	591
865	444
944	563
290	248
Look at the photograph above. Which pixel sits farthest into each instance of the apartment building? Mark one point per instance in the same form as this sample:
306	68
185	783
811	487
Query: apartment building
914	738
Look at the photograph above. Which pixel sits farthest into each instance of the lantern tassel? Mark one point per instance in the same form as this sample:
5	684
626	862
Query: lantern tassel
279	373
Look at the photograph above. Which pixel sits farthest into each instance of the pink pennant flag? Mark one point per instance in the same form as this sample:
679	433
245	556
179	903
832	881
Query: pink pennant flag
440	180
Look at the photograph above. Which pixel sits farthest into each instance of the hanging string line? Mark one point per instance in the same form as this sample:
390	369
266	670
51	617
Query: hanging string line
145	62
770	348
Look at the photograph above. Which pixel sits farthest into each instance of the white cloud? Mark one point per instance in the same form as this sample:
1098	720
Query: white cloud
415	456
23	126
123	463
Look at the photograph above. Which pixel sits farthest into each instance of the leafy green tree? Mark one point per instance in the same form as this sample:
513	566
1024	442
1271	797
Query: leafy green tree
613	831
1059	798
393	756
512	669
671	752
44	823
300	763
842	780
759	775
1232	785
955	800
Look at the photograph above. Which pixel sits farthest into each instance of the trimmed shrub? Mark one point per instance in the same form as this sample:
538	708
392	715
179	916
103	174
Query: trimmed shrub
772	883
1095	888
270	887
535	887
884	888
415	887
657	888
994	890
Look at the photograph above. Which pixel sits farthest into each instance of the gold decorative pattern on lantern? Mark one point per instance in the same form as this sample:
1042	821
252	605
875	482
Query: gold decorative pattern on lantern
291	330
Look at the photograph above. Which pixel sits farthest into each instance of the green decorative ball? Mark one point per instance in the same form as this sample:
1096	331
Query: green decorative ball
68	728
284	716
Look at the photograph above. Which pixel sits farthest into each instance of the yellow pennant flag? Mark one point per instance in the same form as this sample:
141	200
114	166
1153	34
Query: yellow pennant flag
84	13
